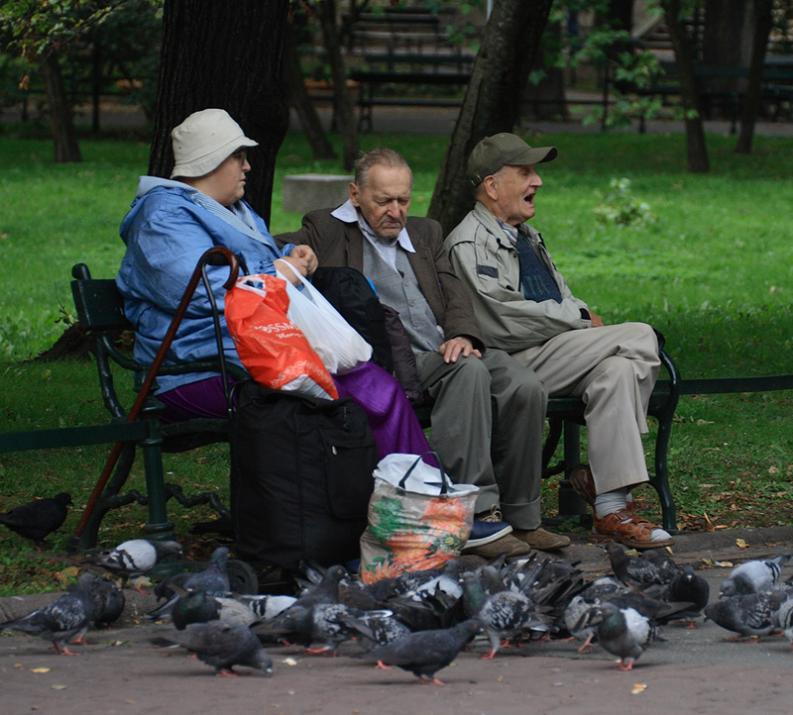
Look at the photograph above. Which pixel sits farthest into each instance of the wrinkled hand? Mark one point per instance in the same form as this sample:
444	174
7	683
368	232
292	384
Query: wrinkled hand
452	349
297	263
597	321
306	254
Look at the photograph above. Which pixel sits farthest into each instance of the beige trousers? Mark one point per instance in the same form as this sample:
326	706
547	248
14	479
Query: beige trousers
613	370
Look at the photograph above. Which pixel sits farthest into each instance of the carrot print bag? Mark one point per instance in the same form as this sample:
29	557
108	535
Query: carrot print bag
417	518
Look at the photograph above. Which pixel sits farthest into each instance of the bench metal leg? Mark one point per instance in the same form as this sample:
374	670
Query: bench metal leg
660	480
570	504
158	526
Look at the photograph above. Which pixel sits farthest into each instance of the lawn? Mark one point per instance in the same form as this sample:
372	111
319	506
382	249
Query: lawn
712	271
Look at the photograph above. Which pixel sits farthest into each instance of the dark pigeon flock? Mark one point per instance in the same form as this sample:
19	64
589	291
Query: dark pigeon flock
420	621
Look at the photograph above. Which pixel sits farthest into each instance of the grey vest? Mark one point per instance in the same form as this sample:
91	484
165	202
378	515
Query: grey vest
399	290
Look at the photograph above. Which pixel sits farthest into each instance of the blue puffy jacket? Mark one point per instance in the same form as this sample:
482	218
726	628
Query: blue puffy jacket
167	229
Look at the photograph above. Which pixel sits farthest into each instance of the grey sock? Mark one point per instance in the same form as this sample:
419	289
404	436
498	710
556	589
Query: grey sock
609	502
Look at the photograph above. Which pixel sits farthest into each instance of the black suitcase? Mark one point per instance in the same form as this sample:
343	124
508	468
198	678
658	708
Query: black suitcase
301	477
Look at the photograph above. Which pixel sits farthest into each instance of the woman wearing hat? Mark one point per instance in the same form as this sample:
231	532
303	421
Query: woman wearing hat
171	223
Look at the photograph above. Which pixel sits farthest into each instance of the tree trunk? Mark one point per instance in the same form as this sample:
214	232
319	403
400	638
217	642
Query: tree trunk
696	147
751	101
342	102
510	42
61	121
299	99
727	40
228	55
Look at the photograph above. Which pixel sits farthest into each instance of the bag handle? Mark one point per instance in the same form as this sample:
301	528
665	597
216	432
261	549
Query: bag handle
445	482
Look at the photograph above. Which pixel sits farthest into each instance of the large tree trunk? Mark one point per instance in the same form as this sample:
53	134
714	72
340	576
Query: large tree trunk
227	55
751	101
510	42
342	102
696	147
61	121
727	40
299	99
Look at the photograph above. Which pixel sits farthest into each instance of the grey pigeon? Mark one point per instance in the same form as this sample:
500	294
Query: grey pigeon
426	652
623	632
754	576
785	619
223	646
213	580
36	520
507	616
109	600
378	627
747	614
633	570
202	607
266	606
69	616
137	556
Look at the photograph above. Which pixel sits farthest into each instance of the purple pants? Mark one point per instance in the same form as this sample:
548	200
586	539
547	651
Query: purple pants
394	425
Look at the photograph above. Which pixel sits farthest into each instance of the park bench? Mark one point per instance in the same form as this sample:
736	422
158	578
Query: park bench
100	311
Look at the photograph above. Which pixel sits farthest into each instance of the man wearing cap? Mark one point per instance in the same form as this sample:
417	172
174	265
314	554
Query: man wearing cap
525	308
488	411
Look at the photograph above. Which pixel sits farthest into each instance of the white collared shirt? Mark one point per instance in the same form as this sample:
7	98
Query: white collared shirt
387	248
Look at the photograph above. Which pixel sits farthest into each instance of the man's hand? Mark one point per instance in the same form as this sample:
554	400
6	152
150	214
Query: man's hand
597	321
307	255
297	263
452	349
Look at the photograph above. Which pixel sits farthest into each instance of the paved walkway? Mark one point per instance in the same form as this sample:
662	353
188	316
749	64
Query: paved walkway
689	671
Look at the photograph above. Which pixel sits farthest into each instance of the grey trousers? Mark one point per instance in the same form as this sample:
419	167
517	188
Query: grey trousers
487	426
613	369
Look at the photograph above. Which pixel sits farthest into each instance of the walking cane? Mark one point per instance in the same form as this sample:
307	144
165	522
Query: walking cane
217	255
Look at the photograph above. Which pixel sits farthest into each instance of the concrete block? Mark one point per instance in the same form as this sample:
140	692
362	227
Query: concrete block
305	192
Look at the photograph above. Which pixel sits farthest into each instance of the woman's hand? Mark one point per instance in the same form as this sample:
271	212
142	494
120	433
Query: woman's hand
307	255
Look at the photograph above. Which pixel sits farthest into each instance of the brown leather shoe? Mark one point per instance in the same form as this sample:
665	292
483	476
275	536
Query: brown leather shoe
541	539
629	529
507	546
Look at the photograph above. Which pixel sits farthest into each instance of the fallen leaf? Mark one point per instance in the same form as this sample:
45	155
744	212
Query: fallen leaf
720	526
724	564
741	544
39	670
67	575
59	686
638	688
500	679
18	665
708	522
118	643
773	470
289	661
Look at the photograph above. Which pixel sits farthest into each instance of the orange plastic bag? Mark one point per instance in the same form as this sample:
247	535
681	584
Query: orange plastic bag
273	349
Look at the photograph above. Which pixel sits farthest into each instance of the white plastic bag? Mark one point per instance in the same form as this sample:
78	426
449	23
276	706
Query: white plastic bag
336	342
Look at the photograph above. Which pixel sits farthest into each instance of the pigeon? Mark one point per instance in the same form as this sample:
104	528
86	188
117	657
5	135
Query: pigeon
378	627
753	576
633	570
426	652
69	616
109	600
785	619
507	616
38	519
266	606
201	607
214	580
689	586
137	556
747	614
223	646
620	631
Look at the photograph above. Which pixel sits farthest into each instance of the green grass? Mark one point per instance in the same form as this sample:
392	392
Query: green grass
713	273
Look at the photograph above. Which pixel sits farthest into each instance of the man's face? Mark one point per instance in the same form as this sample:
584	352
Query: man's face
513	189
384	199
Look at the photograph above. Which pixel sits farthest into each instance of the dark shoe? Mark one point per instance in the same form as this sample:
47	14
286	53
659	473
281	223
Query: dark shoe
541	539
488	526
629	529
507	546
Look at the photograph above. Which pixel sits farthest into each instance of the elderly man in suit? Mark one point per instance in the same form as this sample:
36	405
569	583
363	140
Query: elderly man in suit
488	411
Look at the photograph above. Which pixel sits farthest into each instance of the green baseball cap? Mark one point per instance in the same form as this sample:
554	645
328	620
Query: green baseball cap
504	149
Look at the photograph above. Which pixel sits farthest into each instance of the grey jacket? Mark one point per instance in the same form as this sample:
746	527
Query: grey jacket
484	258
